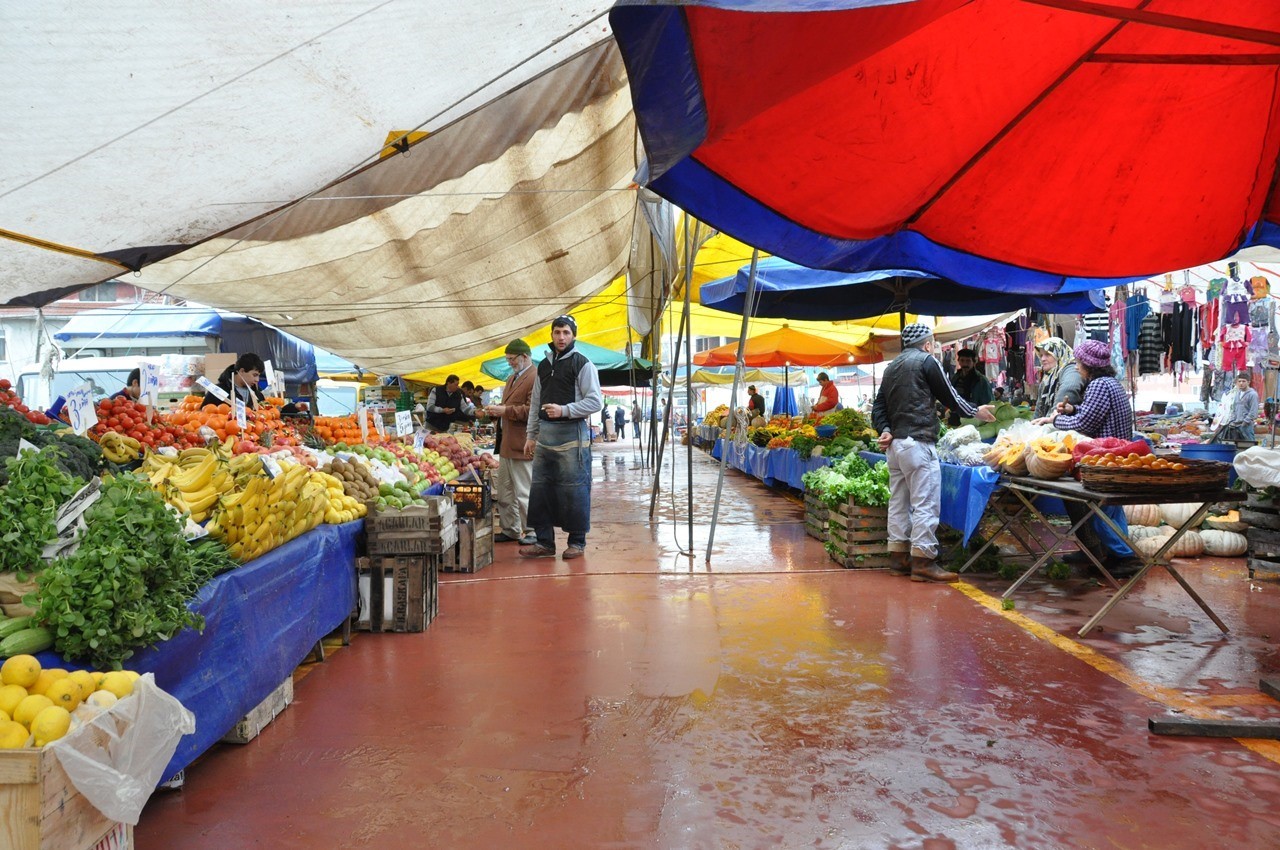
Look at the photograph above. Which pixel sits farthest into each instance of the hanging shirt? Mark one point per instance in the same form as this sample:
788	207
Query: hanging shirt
1135	310
992	347
1235	336
1168	298
1150	345
1096	326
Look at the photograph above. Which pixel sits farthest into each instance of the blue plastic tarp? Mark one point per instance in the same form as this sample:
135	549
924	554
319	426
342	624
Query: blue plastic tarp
261	621
790	291
965	493
784	402
142	320
770	465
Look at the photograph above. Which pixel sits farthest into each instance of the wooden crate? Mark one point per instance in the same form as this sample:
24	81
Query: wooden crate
430	529
256	720
397	594
816	515
474	551
858	537
41	810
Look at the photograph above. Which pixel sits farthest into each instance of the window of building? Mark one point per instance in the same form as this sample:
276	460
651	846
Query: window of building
100	292
4	354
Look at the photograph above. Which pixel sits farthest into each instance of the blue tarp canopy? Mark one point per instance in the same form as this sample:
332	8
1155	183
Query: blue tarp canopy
790	291
142	320
297	360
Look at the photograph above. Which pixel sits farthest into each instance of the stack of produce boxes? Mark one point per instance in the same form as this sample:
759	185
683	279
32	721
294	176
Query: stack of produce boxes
405	550
474	551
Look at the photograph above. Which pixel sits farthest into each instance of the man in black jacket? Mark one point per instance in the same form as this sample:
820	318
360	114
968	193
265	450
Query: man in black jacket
448	404
903	413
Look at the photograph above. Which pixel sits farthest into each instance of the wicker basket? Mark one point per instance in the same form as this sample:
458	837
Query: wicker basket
1199	476
1045	469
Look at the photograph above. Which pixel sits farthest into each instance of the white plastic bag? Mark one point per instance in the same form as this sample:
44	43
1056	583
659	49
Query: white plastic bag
1259	467
116	758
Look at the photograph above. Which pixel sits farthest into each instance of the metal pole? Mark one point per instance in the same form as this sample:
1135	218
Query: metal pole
687	321
747	309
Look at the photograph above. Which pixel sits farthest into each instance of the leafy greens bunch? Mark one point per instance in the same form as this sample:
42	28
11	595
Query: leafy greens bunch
28	506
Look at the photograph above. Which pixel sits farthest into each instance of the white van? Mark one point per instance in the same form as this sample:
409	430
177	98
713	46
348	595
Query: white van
106	375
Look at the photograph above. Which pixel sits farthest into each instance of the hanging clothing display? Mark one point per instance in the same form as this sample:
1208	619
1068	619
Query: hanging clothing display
1150	345
1235	345
1168	298
1136	309
1117	328
1235	303
1261	316
1208	324
1096	326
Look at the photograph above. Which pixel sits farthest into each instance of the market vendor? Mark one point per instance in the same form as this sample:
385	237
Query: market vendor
828	396
970	384
1239	411
903	413
132	388
1104	411
241	379
448	404
755	402
1060	379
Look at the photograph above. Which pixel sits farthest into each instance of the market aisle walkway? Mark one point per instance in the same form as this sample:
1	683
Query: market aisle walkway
633	699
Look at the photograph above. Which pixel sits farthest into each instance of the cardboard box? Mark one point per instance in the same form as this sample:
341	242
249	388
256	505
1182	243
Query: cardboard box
215	363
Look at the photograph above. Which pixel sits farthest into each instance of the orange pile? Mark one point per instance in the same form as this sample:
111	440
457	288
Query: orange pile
341	429
1132	461
192	415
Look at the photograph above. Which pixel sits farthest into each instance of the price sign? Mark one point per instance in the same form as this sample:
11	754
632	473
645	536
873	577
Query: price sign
404	423
272	466
271	373
419	440
242	415
24	446
210	387
364	423
80	408
150	384
380	424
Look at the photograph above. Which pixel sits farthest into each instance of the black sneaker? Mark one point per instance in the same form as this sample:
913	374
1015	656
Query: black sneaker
1123	567
503	537
1077	558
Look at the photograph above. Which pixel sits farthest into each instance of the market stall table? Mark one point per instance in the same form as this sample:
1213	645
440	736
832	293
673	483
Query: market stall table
770	465
261	620
1027	490
966	490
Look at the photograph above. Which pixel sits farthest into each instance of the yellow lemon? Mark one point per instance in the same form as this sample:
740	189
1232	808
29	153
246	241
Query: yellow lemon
30	707
84	679
13	736
118	683
97	678
101	699
65	692
132	674
10	696
4	716
45	679
20	670
50	725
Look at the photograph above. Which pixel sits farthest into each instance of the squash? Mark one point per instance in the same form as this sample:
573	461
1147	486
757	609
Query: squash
1142	514
1149	546
1230	521
1140	532
1176	515
1224	544
1189	545
1046	464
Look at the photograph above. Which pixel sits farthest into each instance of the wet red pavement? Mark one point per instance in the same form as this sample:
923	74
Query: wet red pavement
635	698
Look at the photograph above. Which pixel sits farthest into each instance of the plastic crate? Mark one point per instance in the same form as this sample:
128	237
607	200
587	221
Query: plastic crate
471	499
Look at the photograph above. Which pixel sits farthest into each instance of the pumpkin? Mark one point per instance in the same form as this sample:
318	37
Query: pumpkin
1224	544
1176	515
1149	546
1042	463
1142	514
1140	532
1230	521
1189	545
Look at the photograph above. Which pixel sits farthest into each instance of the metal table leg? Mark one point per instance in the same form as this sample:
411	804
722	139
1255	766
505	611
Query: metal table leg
1006	520
1148	563
1048	551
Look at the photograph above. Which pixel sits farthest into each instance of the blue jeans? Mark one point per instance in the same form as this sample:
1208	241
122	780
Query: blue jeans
560	494
1096	535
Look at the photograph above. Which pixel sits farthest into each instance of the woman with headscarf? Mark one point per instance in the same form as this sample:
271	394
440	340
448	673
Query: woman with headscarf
1104	411
1060	379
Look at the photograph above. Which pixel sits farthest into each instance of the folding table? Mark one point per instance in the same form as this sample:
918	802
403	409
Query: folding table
1027	489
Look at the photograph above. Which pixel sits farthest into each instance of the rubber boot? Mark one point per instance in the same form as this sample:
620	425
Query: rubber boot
899	563
927	569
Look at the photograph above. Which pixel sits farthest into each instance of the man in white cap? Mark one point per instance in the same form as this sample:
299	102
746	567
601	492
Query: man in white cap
903	413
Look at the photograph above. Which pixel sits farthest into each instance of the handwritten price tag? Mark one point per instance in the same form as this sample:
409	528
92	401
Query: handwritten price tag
150	383
419	440
242	415
210	387
271	374
80	408
404	423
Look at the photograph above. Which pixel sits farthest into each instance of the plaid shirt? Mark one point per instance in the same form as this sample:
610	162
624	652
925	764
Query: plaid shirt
1104	412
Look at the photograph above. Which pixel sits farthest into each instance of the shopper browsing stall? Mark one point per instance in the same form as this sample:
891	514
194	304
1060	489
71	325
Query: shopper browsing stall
970	384
903	413
1104	411
515	469
1239	411
1060	379
448	404
565	396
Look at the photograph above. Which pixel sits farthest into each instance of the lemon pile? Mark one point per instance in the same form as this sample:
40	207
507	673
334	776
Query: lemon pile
38	706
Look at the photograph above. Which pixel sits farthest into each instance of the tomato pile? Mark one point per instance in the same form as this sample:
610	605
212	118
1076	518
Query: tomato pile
9	398
128	417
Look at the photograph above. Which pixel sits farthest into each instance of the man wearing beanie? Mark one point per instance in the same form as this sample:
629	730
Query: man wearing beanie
515	467
566	394
903	413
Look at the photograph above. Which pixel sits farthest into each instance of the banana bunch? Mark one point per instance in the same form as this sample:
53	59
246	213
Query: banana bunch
192	482
119	448
268	512
342	508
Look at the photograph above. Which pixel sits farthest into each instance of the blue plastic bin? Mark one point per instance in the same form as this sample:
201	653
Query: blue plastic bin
826	431
1224	452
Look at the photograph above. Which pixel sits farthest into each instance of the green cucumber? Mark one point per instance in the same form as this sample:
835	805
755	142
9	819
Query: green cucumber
17	624
26	642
